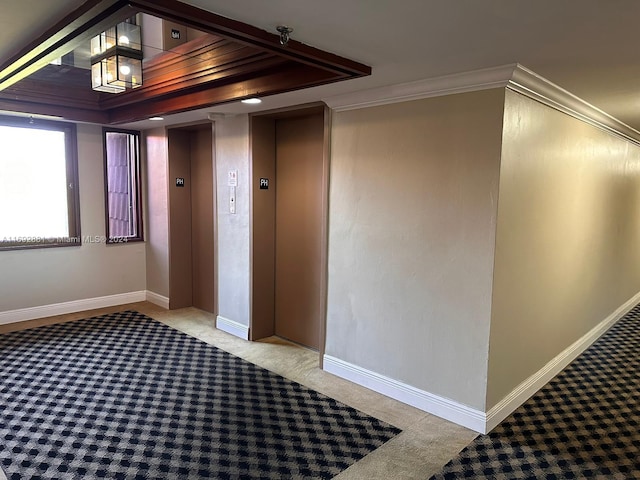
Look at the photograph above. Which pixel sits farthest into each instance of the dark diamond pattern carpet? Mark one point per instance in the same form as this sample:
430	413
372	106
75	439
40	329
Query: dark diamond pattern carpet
585	423
123	396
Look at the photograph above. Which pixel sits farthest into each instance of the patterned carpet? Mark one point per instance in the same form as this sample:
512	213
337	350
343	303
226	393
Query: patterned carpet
123	396
585	423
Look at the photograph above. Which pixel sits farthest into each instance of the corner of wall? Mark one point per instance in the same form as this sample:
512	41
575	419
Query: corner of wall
436	153
512	79
555	274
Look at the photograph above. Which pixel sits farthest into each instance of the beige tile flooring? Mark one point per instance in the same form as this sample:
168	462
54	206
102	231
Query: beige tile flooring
425	445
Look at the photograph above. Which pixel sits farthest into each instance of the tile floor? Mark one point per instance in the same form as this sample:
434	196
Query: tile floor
425	445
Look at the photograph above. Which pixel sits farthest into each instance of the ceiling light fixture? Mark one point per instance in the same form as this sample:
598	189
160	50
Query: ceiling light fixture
251	101
285	34
116	58
156	119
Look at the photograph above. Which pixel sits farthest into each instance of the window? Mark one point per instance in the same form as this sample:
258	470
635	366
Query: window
122	192
39	204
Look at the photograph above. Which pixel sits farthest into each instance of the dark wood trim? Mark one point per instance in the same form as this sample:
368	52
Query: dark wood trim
38	98
241	32
73	181
295	77
38	91
69	113
175	57
209	64
233	61
206	79
324	260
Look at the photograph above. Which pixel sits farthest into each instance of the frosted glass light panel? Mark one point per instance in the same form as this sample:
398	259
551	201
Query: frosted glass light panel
124	71
103	74
103	42
128	36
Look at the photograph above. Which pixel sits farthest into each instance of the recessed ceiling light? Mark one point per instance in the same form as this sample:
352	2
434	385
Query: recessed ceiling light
156	119
252	101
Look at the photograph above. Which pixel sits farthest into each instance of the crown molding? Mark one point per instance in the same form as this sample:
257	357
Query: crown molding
536	87
514	77
495	77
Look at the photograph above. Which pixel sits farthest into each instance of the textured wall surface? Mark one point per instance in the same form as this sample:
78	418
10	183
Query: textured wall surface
232	153
567	242
413	208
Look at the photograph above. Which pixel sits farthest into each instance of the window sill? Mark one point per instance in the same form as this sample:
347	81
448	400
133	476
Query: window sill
44	243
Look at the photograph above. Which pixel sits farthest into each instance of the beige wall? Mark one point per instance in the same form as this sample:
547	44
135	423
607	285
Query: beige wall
157	219
45	276
232	153
412	228
567	242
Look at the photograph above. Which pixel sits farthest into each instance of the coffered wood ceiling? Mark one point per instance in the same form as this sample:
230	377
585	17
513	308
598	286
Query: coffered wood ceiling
232	61
588	47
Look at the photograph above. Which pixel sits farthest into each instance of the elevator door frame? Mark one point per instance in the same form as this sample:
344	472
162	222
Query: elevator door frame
191	128
259	327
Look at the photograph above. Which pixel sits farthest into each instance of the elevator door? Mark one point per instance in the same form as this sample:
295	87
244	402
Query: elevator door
191	227
202	235
298	232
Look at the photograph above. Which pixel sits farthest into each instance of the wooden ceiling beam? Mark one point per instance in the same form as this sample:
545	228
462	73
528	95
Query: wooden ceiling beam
37	91
211	61
279	81
63	112
39	97
241	32
235	61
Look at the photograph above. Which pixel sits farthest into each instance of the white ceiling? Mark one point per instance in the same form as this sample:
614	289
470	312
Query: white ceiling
589	47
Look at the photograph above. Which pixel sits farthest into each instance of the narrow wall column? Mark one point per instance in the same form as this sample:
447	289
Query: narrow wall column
232	154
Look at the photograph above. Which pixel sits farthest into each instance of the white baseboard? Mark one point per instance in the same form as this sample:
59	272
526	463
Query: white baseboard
232	327
31	313
157	299
461	414
535	382
434	404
